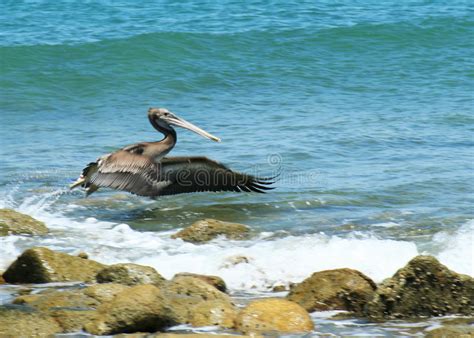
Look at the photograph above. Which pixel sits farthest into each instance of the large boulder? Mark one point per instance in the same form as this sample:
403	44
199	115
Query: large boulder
42	265
15	223
129	274
208	229
184	293
17	323
140	308
339	289
214	281
423	288
273	315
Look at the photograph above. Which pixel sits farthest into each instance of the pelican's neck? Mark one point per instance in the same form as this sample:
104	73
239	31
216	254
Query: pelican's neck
167	143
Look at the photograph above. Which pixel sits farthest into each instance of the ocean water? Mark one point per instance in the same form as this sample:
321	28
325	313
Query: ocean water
365	106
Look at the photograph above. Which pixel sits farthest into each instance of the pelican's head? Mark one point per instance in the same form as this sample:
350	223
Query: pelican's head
164	118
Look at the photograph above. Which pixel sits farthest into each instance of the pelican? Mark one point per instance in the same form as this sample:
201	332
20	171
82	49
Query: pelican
143	169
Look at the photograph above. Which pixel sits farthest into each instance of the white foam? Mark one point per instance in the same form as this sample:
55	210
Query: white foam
457	249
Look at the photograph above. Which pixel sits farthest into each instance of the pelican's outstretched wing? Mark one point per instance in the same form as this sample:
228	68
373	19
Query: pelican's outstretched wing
195	174
122	170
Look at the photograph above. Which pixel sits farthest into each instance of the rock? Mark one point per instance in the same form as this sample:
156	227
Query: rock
83	255
129	274
15	223
140	308
339	289
183	293
214	313
214	281
42	265
72	309
208	229
279	288
424	287
17	323
104	292
272	315
451	331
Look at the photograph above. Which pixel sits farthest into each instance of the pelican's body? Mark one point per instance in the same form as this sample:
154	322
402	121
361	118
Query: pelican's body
143	169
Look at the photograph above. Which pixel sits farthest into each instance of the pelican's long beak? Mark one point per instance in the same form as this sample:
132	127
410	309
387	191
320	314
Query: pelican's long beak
179	122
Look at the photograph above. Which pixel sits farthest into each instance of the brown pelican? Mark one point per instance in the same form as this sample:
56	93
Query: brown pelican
143	169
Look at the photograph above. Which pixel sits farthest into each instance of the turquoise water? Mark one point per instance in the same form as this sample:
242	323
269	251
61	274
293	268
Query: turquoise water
366	106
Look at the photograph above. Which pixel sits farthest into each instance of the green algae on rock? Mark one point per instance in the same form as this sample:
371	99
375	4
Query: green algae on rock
273	315
338	289
129	274
423	288
15	223
42	265
208	229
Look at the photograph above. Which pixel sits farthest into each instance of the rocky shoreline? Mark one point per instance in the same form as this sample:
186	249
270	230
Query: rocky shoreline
130	298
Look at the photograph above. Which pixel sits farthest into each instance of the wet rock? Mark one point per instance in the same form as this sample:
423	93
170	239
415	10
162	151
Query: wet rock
424	287
273	315
214	313
72	309
16	323
279	288
140	308
42	265
83	255
15	223
338	289
214	281
208	229
129	274
451	331
184	293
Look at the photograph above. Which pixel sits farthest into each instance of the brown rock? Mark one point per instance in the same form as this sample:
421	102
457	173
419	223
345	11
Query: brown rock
214	313
272	315
15	223
451	331
424	287
339	289
208	229
42	265
72	309
129	274
184	293
15	323
104	292
279	288
140	308
214	281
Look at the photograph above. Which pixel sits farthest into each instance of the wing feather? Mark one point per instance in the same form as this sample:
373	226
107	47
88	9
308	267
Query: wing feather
196	174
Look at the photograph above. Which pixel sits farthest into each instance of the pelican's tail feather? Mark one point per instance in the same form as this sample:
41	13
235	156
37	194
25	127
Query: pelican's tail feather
84	179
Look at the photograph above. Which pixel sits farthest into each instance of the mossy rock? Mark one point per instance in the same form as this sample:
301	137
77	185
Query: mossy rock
423	288
17	323
214	281
338	289
209	229
15	223
42	265
273	316
140	308
129	274
183	293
